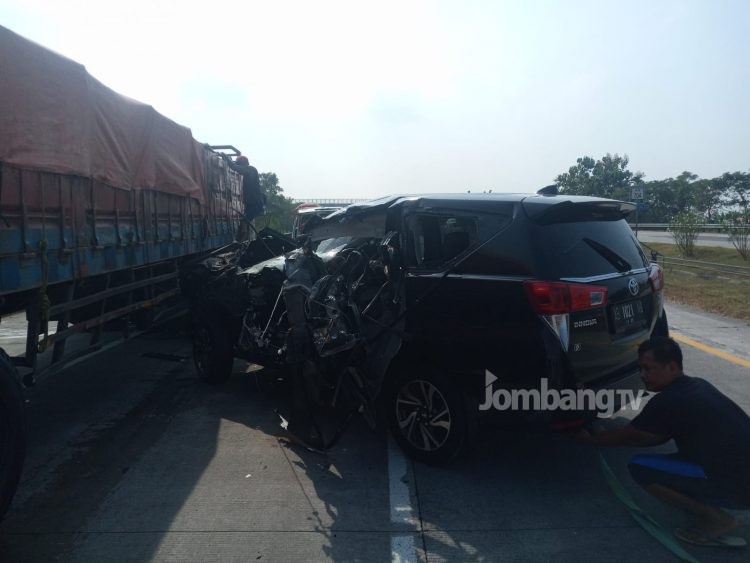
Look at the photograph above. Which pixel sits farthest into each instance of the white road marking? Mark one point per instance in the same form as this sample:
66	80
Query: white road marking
403	549
403	546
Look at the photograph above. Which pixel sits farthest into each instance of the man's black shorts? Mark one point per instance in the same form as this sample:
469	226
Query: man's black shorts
684	477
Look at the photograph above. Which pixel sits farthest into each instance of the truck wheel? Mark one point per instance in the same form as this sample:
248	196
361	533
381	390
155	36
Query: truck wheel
426	413
12	432
212	350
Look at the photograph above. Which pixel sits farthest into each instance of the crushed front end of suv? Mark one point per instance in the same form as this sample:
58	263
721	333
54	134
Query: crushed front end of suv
406	303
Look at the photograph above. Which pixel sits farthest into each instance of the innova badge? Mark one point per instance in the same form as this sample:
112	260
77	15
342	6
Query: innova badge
633	286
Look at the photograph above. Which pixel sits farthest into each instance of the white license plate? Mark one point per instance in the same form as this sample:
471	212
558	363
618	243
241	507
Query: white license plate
628	314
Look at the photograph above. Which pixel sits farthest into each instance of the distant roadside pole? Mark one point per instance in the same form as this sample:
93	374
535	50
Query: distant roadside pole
637	194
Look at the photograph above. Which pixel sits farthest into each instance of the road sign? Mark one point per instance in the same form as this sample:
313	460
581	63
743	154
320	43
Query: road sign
642	206
636	193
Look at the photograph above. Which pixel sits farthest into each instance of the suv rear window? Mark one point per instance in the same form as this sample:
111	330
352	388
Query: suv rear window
587	248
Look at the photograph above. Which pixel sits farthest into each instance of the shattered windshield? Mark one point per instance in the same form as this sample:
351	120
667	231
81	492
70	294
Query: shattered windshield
332	245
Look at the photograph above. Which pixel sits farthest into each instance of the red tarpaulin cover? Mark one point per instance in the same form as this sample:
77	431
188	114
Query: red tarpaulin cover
56	117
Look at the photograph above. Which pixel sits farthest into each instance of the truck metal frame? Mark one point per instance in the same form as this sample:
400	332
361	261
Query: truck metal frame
82	253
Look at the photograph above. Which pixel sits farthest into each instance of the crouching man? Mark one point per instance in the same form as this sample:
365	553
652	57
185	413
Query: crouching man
711	469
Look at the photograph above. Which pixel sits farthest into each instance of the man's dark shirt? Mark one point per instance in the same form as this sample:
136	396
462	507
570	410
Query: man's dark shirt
708	427
252	194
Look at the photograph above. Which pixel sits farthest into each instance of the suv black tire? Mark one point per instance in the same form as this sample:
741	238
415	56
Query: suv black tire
12	432
212	350
426	414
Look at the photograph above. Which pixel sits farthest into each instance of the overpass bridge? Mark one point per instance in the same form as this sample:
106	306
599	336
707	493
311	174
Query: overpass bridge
330	201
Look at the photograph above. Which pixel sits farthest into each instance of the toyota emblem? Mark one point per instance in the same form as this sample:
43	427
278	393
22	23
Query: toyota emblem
633	286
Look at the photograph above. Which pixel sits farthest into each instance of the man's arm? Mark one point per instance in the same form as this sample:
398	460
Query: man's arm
625	436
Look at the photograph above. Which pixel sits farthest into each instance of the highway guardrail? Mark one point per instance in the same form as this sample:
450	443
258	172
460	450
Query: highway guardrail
712	267
703	227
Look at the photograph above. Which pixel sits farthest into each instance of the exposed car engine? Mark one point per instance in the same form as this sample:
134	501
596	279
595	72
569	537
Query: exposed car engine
334	309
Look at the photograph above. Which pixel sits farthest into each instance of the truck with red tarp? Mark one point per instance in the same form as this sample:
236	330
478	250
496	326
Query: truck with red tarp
101	199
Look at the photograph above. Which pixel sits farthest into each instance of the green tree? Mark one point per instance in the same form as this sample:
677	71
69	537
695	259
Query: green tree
739	236
279	208
661	200
684	189
735	190
707	198
607	177
686	193
684	228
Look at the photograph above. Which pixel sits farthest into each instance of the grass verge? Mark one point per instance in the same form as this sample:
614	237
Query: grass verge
715	292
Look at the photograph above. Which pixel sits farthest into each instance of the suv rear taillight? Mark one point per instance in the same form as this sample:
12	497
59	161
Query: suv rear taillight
557	298
656	277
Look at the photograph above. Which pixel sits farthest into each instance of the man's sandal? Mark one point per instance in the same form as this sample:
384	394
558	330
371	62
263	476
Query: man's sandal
696	537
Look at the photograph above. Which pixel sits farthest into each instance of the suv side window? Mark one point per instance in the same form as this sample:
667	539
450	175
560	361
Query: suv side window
435	240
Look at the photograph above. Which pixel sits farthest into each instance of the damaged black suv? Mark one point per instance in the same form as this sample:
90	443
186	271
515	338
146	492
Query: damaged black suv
409	305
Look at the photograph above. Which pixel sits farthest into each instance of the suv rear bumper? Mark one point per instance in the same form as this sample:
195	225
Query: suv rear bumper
611	395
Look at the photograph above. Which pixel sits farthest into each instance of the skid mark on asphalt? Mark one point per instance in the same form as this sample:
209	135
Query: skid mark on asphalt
711	350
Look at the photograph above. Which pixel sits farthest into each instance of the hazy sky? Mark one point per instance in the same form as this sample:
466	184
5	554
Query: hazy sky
359	99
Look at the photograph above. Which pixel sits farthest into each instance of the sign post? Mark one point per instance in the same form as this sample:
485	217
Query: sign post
636	195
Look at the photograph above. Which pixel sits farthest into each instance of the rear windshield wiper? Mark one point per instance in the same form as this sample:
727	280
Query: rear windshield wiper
609	255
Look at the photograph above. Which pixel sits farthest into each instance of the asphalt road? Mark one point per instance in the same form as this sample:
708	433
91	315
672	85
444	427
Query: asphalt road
704	239
132	459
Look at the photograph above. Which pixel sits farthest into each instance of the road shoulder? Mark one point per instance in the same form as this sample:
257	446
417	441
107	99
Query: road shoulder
723	333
